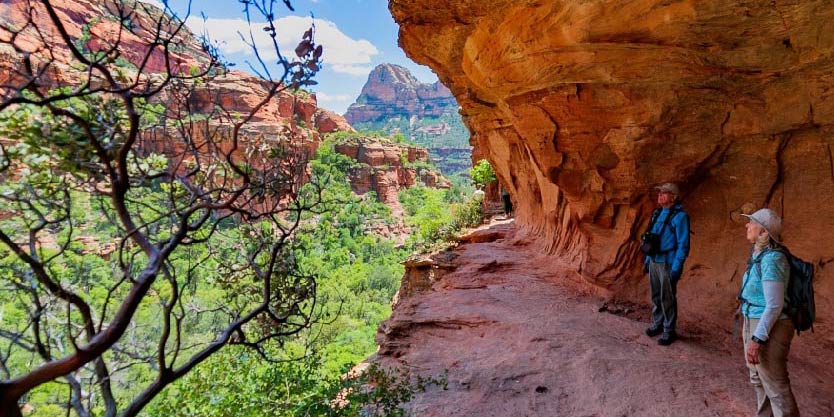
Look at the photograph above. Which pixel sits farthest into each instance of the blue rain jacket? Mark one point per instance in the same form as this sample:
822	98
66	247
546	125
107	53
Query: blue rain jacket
674	238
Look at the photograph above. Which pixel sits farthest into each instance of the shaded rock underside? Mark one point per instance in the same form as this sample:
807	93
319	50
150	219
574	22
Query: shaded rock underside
583	106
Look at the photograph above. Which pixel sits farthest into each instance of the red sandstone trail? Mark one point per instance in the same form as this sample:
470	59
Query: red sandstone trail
520	338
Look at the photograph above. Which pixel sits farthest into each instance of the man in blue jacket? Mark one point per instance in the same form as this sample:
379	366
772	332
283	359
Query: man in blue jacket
665	267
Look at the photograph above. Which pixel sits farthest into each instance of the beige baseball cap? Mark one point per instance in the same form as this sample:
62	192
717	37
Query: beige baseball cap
768	219
668	187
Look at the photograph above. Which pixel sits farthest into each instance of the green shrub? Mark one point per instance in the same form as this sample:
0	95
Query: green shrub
482	173
239	384
434	219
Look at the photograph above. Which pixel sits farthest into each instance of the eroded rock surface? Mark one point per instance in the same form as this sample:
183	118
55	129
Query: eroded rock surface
290	117
583	106
386	168
519	337
393	91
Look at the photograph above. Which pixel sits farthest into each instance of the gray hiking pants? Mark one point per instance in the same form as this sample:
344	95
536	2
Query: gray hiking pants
770	380
664	297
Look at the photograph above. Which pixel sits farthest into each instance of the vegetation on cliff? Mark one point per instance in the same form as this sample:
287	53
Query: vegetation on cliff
393	101
142	254
356	275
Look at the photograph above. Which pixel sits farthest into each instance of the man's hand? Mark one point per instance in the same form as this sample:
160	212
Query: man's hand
752	353
675	275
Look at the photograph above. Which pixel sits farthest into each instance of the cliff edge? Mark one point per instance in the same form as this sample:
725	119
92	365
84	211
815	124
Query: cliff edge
582	107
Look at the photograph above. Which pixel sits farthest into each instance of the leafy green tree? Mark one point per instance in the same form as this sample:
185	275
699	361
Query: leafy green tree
358	273
436	216
482	173
136	243
290	389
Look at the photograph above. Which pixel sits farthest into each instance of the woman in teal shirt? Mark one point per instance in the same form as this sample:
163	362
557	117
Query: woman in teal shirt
767	330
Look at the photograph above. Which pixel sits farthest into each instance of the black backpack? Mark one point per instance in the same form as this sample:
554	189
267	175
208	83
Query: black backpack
799	297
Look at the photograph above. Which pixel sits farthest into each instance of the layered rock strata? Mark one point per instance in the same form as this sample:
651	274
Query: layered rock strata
386	168
391	91
394	101
583	106
290	121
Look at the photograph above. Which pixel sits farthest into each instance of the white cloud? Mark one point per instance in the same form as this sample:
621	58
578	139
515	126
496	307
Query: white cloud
363	70
337	103
156	3
322	96
341	52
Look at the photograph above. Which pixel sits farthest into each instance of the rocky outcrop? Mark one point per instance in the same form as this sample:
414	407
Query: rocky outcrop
394	101
237	92
325	121
581	107
386	168
391	90
516	335
290	121
89	22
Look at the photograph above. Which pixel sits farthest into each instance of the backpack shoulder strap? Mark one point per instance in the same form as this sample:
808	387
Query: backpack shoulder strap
666	221
655	215
753	261
672	213
778	247
758	260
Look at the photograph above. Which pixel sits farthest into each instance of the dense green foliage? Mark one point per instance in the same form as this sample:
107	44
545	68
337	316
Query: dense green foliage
436	215
358	273
446	138
240	384
482	173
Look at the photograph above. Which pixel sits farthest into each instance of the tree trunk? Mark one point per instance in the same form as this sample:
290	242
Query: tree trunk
8	406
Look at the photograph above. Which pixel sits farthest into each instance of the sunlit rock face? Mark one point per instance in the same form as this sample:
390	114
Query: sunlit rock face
290	120
392	91
583	106
388	168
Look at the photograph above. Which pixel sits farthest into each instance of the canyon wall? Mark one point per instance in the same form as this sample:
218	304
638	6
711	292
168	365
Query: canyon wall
387	168
291	120
582	107
394	101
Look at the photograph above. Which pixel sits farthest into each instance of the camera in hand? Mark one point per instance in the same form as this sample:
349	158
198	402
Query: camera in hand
650	243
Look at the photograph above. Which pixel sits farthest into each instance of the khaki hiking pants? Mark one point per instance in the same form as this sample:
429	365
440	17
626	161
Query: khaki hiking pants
770	377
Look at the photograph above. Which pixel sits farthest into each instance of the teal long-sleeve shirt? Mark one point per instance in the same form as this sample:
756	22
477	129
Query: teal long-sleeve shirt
674	238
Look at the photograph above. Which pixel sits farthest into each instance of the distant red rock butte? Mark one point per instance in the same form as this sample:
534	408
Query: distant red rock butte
391	90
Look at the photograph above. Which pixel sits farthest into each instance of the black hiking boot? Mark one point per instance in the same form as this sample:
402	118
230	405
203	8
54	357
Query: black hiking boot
654	331
667	338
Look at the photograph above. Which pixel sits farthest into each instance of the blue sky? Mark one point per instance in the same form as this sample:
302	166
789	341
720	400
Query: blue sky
357	35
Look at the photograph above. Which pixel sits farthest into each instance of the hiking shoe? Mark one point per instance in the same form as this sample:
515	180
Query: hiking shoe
667	338
654	331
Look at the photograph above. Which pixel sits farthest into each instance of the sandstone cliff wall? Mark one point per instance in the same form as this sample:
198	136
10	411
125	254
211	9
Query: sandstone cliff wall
387	168
583	106
290	120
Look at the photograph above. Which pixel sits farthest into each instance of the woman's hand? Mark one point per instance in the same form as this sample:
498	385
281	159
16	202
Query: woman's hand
753	350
